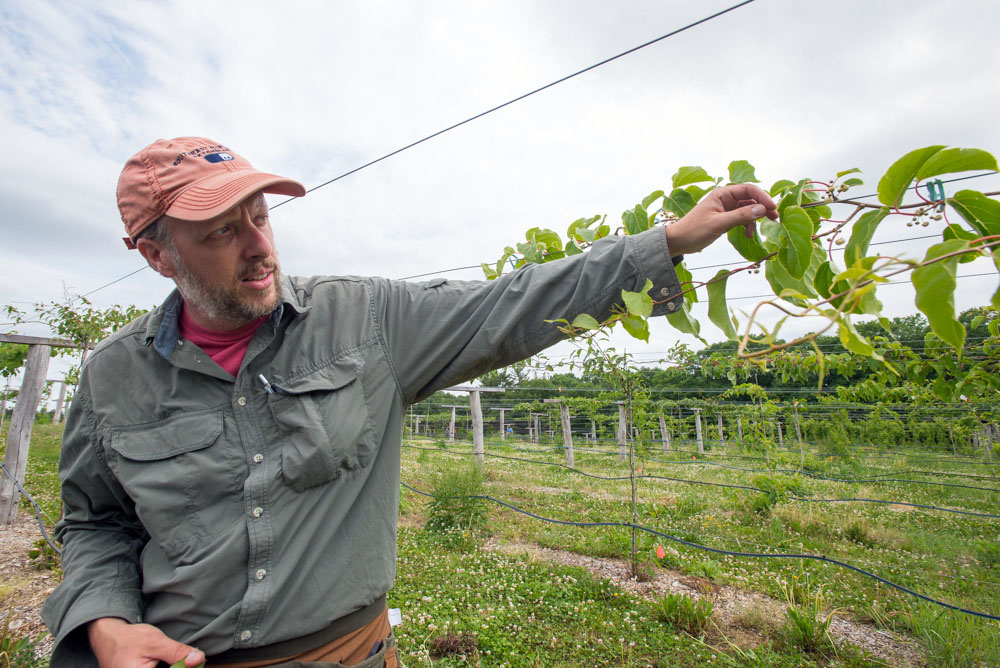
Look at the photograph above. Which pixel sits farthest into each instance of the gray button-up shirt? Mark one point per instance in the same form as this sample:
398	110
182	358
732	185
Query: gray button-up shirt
233	517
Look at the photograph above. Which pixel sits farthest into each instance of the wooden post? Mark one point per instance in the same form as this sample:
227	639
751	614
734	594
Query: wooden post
19	435
664	434
739	430
798	433
781	436
722	439
566	429
697	431
503	427
622	432
593	431
451	426
57	417
478	447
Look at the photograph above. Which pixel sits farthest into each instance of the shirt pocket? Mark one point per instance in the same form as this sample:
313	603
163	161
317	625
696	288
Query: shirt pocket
180	475
324	423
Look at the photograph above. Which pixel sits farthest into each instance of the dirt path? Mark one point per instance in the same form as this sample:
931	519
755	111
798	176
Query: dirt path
744	618
23	588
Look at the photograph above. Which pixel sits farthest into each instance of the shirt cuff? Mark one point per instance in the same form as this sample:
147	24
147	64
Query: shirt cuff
655	263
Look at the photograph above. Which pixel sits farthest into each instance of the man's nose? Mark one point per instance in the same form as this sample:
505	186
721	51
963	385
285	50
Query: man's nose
257	241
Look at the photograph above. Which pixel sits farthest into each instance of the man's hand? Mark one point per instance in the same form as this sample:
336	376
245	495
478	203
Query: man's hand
118	644
716	213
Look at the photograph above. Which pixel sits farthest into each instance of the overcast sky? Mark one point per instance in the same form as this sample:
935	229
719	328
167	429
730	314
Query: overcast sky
311	90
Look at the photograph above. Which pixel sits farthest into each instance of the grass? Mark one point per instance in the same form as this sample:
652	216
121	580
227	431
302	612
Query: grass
463	605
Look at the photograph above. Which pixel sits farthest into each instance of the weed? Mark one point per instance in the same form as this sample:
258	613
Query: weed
954	640
805	624
987	552
456	512
43	557
685	613
859	533
18	651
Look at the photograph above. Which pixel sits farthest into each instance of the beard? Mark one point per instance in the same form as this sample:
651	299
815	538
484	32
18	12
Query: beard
222	301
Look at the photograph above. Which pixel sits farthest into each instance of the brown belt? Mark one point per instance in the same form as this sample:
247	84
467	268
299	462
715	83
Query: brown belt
347	637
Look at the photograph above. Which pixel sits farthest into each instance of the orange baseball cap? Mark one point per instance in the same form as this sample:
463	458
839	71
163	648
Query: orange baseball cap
190	178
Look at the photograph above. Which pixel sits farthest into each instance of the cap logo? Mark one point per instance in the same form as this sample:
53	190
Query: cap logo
219	157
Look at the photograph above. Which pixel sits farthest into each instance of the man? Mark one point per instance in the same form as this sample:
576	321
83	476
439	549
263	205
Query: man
230	466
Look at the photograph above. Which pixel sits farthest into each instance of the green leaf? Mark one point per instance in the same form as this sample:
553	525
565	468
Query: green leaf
853	341
573	249
490	273
995	302
981	212
639	303
824	279
935	287
850	183
637	327
779	278
741	171
954	231
852	170
751	248
551	239
585	321
685	278
780	187
861	235
636	220
952	160
650	198
718	312
686	175
893	184
696	192
679	202
796	243
682	320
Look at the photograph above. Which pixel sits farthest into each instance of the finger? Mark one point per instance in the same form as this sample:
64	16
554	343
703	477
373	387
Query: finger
731	195
172	651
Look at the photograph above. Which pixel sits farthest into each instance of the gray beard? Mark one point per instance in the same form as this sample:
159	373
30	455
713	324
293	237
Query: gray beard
216	302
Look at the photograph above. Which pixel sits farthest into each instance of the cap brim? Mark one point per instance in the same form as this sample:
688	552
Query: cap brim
218	194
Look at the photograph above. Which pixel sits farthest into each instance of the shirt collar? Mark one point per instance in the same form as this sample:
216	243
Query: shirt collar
163	330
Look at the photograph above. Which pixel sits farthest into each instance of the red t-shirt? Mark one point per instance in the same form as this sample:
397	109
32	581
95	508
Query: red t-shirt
227	349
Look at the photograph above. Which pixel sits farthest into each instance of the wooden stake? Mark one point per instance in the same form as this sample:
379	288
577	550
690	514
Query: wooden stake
36	367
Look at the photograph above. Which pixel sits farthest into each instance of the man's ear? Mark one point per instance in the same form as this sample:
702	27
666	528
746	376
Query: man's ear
158	257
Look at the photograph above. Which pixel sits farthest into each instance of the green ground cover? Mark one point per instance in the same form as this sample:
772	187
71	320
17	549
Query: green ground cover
466	605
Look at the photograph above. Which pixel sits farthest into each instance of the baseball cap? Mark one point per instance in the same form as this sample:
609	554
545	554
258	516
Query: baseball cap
190	178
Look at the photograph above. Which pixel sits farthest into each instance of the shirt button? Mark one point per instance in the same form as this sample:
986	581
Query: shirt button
257	512
245	635
260	574
664	292
258	458
670	306
242	401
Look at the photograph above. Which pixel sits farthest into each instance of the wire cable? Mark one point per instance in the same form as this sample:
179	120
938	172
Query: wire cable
522	97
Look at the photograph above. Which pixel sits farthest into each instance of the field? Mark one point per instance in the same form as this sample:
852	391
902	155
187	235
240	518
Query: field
480	583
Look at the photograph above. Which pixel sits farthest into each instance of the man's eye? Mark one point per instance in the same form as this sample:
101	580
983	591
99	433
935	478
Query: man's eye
222	231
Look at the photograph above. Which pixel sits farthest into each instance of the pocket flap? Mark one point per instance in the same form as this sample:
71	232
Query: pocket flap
333	376
168	438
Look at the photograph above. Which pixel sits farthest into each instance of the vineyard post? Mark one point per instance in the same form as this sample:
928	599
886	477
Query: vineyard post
722	438
781	436
503	426
57	417
798	434
622	432
567	432
451	424
478	446
593	431
739	430
664	434
19	434
697	431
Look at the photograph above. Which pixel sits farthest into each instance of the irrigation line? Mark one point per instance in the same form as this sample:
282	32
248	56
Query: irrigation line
38	510
732	553
713	484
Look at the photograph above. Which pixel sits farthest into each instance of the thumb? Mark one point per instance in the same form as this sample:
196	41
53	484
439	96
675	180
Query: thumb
174	652
745	216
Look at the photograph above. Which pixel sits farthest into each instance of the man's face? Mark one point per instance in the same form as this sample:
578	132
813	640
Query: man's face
226	268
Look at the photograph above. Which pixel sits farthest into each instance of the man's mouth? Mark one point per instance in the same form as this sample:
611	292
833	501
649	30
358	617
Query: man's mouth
260	280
